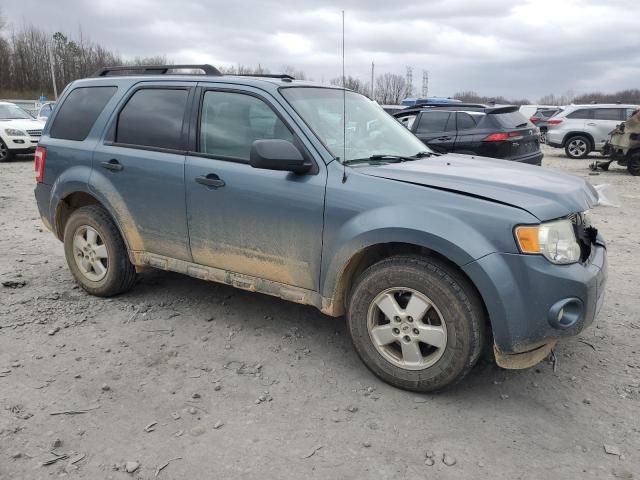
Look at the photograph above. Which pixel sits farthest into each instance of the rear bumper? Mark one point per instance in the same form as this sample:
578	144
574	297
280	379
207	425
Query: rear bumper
522	294
533	159
43	200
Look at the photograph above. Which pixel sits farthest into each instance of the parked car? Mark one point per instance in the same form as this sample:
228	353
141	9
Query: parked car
252	182
473	129
539	117
45	111
623	146
19	131
530	110
391	109
582	129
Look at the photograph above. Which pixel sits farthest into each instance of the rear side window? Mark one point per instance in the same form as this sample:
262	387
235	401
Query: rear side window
465	121
79	112
153	117
433	122
231	122
608	114
582	114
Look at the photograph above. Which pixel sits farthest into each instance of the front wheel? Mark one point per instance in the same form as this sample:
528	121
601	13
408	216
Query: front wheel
633	165
416	322
577	147
5	153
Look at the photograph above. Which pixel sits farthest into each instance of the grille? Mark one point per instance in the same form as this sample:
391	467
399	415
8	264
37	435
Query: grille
34	133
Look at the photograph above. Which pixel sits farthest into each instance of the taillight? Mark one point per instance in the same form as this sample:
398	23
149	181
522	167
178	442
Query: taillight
501	136
534	119
39	158
554	122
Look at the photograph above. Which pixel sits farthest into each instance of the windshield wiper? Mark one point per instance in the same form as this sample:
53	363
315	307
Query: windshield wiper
387	158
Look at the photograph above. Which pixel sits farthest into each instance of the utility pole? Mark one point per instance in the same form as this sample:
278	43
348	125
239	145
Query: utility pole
409	88
53	74
372	67
425	84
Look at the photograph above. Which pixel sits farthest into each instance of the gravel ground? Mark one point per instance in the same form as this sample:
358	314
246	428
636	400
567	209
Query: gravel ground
222	383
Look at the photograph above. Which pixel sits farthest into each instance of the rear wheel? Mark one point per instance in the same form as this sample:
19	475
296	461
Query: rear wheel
577	147
633	164
96	253
416	322
5	153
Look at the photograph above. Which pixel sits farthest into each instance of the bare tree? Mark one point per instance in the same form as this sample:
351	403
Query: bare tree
291	70
390	89
353	83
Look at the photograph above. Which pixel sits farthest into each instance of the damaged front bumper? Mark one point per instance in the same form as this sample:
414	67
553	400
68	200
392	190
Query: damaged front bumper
533	303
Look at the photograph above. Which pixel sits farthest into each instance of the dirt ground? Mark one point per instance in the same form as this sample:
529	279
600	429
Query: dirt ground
223	383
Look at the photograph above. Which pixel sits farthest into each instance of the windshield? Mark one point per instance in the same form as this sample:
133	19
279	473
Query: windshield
8	112
368	131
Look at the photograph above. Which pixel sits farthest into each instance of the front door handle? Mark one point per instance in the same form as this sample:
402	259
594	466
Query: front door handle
591	124
443	138
113	165
210	180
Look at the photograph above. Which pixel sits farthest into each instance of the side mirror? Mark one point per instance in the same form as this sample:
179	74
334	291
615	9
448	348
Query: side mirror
278	155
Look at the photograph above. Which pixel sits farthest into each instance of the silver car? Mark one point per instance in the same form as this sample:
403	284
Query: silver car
581	129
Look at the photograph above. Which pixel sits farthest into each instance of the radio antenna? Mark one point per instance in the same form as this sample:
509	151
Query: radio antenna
344	112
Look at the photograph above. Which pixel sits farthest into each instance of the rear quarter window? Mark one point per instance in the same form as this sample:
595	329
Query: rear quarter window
79	112
581	114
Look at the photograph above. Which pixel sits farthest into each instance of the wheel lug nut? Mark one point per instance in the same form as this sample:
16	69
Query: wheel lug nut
410	319
416	331
406	338
396	319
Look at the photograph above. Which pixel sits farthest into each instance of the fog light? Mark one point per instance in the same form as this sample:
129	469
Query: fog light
565	313
18	141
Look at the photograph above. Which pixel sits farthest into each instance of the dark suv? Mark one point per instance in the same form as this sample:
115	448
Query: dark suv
262	184
472	129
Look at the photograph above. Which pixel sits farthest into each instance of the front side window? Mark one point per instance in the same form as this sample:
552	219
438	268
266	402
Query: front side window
230	122
80	111
608	114
153	117
367	130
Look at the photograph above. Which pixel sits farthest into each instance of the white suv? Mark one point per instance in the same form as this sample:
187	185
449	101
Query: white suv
581	129
19	131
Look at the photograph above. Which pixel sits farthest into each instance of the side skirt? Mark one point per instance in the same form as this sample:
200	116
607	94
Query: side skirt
238	280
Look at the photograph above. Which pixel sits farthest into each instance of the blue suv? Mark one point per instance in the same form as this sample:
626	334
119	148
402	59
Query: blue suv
314	194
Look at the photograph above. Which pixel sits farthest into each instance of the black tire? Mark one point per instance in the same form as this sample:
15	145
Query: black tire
577	147
5	154
456	300
120	273
633	165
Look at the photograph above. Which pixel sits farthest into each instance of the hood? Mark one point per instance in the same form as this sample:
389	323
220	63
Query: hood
23	124
543	193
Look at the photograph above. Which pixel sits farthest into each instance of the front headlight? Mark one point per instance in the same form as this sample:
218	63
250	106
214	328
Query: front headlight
555	240
12	132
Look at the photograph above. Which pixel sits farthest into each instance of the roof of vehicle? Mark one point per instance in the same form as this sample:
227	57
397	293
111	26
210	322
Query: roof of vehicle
105	76
602	105
464	107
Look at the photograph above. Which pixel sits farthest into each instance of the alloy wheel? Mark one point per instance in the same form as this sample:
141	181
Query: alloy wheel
577	147
90	253
406	328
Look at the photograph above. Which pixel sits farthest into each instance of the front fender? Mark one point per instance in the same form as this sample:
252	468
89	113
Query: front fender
451	236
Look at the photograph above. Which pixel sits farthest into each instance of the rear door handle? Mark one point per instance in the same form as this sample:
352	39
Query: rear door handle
210	180
112	165
592	124
443	138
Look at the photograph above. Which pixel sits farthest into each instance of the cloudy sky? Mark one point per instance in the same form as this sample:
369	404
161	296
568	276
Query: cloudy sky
494	47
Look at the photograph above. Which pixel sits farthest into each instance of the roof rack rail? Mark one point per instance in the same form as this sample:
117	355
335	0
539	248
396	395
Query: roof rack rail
283	76
157	69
